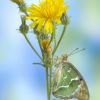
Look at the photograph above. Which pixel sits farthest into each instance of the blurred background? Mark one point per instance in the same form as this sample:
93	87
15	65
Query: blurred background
19	79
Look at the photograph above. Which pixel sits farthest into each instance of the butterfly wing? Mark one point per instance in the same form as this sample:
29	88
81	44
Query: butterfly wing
83	92
71	83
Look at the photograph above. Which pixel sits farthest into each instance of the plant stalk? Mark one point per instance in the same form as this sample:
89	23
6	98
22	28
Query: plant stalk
32	46
47	83
64	29
50	80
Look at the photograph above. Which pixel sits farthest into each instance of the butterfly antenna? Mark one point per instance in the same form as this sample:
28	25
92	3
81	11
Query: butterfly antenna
73	51
76	51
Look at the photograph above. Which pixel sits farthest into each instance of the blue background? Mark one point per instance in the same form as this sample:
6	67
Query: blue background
19	79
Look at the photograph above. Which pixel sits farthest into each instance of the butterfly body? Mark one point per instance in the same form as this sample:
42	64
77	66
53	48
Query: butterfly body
68	82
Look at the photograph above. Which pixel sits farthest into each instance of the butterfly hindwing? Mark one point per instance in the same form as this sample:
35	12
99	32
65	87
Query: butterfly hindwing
68	83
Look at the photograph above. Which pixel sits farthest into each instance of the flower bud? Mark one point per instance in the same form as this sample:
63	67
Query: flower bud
21	4
45	44
17	1
22	7
24	27
47	51
64	19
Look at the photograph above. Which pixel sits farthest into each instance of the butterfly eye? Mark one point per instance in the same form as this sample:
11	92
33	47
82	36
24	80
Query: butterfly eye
81	79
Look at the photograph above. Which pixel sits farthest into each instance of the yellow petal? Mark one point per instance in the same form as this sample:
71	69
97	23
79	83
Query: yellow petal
40	25
48	27
46	13
57	21
33	24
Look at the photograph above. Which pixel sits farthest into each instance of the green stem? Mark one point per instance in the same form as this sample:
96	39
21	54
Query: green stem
50	80
64	29
47	83
38	38
54	40
32	47
50	41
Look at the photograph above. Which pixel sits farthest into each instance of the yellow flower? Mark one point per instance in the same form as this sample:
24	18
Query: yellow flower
46	14
17	1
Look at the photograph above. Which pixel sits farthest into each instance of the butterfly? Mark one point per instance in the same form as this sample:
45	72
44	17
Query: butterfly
68	83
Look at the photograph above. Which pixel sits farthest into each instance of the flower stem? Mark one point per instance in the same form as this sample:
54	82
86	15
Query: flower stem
64	29
54	36
38	38
32	46
50	80
47	83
